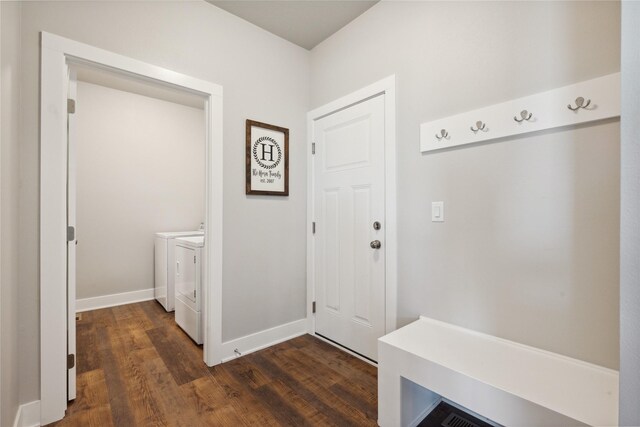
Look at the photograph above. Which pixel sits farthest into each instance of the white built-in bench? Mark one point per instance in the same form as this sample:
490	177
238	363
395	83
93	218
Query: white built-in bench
509	383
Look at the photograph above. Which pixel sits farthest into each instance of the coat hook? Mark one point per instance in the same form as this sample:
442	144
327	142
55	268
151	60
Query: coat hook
579	104
524	114
479	126
443	134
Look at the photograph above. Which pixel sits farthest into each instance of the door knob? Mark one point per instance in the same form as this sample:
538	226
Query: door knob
376	244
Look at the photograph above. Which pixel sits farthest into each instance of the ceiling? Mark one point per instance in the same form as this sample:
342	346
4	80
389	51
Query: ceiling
303	22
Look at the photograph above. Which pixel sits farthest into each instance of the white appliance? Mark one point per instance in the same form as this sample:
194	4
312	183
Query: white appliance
188	268
164	244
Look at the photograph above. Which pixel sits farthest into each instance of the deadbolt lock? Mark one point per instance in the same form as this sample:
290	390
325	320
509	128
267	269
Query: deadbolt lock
376	225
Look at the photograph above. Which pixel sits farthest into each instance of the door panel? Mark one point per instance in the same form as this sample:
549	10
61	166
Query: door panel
331	257
348	198
343	151
362	265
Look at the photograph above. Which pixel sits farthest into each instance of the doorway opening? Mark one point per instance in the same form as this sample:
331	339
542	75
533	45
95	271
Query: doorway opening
135	191
59	57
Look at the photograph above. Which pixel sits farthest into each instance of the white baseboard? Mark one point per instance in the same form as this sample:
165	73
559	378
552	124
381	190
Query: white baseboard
28	415
263	339
113	300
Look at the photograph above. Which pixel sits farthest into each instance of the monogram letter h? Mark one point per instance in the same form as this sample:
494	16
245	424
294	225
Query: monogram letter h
267	150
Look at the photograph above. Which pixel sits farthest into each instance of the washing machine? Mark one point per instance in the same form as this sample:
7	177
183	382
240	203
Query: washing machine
188	281
164	245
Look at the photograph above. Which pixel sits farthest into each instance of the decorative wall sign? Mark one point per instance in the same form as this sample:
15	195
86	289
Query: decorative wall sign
267	162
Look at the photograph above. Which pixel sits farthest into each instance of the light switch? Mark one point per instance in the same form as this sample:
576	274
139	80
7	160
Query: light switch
437	211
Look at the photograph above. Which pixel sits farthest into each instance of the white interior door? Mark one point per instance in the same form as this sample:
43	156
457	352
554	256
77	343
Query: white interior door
71	238
349	203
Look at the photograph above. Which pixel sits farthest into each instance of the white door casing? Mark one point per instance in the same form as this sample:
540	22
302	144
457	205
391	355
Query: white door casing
71	242
383	90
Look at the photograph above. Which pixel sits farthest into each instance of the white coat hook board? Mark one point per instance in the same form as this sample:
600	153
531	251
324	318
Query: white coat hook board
582	102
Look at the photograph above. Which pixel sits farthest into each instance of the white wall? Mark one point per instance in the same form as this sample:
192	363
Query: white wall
264	78
529	250
630	219
9	218
140	170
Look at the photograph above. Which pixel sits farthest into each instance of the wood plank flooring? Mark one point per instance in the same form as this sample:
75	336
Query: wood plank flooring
137	368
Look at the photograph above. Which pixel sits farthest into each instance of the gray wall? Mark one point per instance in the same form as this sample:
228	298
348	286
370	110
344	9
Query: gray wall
140	170
264	77
630	218
530	248
9	126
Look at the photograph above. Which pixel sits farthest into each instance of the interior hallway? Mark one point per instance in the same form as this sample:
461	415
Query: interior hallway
136	367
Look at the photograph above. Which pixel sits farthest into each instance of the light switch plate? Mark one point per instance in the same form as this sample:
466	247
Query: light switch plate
437	211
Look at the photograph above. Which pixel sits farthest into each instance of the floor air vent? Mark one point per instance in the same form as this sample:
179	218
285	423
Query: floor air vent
455	420
446	415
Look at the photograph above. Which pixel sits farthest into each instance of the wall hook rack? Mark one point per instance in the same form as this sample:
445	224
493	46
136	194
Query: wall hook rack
524	115
544	110
479	126
443	134
580	103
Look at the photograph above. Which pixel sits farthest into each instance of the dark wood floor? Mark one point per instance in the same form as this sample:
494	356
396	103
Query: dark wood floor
137	368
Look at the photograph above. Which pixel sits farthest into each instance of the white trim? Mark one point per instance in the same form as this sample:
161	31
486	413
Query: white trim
81	52
113	300
1	237
386	86
56	53
263	339
28	415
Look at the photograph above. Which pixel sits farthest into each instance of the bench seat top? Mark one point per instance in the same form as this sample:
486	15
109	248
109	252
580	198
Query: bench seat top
572	387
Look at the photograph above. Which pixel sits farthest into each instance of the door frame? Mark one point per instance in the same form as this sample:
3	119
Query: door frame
386	87
56	55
